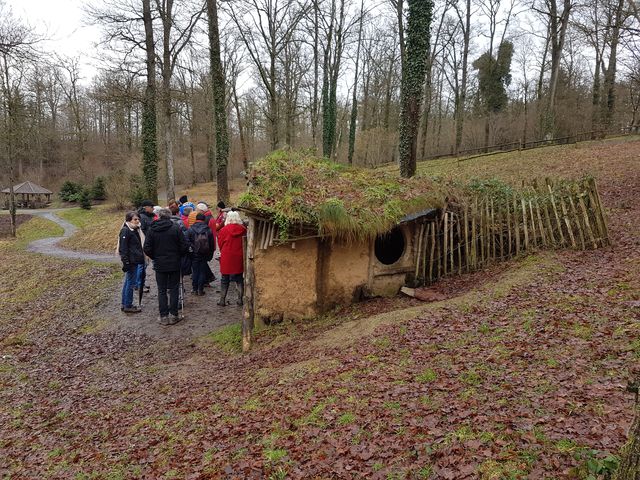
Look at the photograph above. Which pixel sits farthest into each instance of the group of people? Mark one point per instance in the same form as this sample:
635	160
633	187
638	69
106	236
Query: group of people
180	240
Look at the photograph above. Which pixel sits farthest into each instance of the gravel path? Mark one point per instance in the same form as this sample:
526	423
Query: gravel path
49	246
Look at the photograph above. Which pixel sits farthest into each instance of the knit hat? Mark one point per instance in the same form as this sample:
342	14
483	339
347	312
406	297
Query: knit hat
183	199
221	205
202	206
146	203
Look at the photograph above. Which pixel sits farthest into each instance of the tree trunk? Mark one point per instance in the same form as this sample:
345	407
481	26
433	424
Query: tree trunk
462	98
629	468
354	99
595	97
218	86
417	49
243	143
149	139
608	106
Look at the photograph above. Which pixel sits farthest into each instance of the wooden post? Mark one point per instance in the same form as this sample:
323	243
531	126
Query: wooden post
587	224
516	223
576	218
474	240
418	250
508	228
459	249
433	249
248	310
445	242
481	223
524	224
534	233
566	221
451	248
555	211
427	226
492	231
599	212
466	235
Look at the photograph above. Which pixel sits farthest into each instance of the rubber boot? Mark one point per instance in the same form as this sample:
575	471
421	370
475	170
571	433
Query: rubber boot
240	288
223	294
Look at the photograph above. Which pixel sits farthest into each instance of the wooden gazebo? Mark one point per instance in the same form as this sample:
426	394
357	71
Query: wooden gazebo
28	195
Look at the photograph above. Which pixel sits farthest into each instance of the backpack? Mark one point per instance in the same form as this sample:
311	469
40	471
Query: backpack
201	243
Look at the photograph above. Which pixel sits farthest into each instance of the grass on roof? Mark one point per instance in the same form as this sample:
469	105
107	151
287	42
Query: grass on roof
295	187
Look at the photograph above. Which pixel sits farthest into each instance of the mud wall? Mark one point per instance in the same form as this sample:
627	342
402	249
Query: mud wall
285	281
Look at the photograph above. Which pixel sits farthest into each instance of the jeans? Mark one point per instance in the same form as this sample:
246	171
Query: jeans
127	287
141	275
198	274
168	282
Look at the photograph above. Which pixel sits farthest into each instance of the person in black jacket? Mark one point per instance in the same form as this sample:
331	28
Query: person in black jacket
130	250
165	244
202	246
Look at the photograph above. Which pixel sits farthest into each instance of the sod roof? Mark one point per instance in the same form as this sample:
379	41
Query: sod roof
297	188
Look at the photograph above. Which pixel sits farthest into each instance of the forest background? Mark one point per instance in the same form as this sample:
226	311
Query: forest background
309	73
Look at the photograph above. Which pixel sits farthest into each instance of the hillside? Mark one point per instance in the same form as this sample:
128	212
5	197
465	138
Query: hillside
519	373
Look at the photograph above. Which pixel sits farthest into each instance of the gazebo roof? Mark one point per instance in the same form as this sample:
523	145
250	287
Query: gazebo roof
28	187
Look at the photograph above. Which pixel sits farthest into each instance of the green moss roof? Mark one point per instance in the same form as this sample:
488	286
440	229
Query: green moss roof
298	188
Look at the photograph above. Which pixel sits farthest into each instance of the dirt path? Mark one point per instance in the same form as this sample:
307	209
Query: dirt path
202	314
49	246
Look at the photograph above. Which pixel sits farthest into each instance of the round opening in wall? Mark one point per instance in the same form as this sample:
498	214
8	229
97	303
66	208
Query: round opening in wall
389	247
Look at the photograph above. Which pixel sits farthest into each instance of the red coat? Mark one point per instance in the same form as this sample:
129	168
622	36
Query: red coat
230	243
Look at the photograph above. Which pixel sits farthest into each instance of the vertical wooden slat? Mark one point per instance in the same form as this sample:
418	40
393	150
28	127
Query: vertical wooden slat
568	223
445	243
600	208
418	249
576	219
492	231
466	236
509	248
248	309
532	223
433	249
555	211
451	247
524	224
474	240
587	224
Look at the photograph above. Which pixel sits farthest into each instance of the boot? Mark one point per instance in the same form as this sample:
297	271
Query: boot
223	295
240	288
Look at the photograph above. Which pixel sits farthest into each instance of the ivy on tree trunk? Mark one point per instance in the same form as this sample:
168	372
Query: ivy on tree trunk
149	138
413	71
220	114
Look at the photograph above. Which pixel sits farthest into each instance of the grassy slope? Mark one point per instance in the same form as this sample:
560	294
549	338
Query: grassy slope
520	375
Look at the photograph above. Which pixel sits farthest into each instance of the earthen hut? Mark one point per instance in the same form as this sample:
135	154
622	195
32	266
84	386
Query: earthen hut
323	234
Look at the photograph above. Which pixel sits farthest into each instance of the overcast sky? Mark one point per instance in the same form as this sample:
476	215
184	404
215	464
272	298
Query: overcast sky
62	22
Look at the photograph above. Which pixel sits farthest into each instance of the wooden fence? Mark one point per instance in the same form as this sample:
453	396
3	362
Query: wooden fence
485	229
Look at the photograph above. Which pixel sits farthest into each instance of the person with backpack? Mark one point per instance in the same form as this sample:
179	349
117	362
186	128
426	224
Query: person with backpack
130	251
202	246
165	244
231	256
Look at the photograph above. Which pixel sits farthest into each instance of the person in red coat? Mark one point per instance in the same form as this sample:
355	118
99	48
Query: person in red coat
231	256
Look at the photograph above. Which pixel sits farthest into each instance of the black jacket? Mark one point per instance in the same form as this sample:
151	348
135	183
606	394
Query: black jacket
130	246
165	244
146	219
201	227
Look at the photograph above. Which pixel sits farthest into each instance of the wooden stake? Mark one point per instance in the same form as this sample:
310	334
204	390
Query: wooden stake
418	250
424	252
248	309
451	248
566	221
555	211
534	234
466	236
516	223
445	242
601	211
433	248
509	229
587	224
459	227
524	224
492	231
576	218
474	241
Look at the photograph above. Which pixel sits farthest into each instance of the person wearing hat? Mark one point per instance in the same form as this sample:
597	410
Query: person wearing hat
201	242
146	215
181	201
